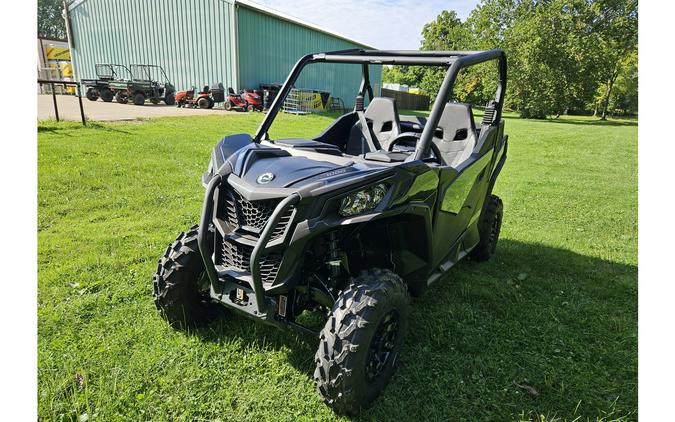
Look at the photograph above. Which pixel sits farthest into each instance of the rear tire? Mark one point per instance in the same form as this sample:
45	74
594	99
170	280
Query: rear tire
361	340
107	95
92	94
181	285
139	99
203	103
489	227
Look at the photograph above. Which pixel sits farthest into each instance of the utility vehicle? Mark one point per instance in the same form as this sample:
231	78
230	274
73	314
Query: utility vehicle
106	73
148	82
345	224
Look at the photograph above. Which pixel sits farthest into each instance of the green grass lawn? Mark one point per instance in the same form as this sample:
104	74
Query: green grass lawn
556	309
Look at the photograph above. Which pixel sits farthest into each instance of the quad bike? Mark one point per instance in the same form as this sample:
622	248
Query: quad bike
346	224
188	98
148	82
106	73
246	101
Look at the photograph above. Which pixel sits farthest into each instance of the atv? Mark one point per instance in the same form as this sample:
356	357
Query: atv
148	82
106	73
346	225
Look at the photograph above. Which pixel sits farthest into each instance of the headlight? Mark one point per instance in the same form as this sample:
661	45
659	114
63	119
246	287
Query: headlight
363	200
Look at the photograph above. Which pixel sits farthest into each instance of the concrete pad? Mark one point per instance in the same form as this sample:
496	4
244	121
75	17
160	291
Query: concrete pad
98	110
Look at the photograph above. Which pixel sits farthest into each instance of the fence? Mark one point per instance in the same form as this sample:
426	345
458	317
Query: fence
406	100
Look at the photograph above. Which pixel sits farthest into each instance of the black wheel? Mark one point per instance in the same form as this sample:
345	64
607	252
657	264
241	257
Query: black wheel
92	94
139	98
250	108
107	95
181	286
154	100
489	226
361	340
227	106
170	99
203	102
121	98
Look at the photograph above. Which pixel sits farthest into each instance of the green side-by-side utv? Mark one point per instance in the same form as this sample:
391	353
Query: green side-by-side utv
346	224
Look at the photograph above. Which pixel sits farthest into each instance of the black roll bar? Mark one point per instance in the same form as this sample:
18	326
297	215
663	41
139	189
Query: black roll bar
454	60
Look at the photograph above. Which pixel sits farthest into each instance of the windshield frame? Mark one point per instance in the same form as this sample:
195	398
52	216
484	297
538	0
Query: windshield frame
454	61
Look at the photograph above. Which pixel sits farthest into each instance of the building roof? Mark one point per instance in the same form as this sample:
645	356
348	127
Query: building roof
281	15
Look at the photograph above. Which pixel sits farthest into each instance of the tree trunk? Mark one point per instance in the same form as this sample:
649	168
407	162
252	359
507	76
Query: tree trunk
605	103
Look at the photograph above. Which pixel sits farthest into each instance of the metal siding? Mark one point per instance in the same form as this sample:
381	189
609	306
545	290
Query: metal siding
269	47
189	38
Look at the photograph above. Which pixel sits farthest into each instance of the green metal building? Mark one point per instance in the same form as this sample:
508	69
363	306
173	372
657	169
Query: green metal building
199	42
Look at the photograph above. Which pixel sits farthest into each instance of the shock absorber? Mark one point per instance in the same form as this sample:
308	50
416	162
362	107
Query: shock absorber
333	258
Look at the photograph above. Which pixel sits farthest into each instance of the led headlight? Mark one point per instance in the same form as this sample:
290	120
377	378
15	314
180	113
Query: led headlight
363	200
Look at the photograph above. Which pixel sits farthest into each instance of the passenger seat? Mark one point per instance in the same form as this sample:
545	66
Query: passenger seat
382	116
459	134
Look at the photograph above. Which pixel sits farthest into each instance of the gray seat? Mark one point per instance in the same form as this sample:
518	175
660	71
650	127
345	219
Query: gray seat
383	119
459	134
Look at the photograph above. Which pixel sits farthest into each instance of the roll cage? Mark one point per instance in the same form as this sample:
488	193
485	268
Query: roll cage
453	60
148	73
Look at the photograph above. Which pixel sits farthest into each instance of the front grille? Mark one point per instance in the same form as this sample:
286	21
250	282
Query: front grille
253	215
238	257
249	218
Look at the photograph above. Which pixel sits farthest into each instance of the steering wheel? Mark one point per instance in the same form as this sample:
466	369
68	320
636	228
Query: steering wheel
434	153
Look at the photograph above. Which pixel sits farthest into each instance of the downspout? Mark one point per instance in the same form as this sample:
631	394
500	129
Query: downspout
234	45
69	36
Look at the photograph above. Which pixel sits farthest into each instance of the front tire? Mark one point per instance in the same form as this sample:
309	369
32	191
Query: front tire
92	94
170	99
361	340
227	106
489	227
139	99
181	286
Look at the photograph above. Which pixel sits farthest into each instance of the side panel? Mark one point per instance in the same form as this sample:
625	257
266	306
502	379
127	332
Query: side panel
269	47
191	40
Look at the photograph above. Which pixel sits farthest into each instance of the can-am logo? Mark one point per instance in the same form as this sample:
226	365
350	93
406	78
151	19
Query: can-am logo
265	178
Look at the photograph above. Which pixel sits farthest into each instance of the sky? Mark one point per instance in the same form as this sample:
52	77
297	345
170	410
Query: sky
383	24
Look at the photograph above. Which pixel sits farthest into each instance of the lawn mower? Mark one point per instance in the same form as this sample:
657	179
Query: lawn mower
148	82
106	73
188	98
247	100
344	226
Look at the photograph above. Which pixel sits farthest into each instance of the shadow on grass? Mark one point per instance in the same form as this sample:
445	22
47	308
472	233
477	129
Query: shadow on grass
65	127
595	122
559	322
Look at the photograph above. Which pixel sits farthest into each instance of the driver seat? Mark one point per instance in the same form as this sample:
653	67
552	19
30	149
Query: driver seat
382	117
459	134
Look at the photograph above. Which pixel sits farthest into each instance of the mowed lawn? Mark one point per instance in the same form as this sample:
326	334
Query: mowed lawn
555	310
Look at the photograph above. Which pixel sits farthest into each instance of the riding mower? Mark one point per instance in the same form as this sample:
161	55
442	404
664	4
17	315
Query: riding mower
247	100
345	225
106	73
188	98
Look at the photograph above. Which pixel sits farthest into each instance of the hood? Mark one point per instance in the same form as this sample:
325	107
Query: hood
277	168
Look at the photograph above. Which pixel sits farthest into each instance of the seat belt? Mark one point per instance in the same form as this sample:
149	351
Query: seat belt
365	129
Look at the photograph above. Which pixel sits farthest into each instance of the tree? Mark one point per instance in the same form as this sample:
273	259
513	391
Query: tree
616	27
50	20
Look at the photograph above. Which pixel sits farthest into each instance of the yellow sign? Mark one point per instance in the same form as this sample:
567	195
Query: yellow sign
57	53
